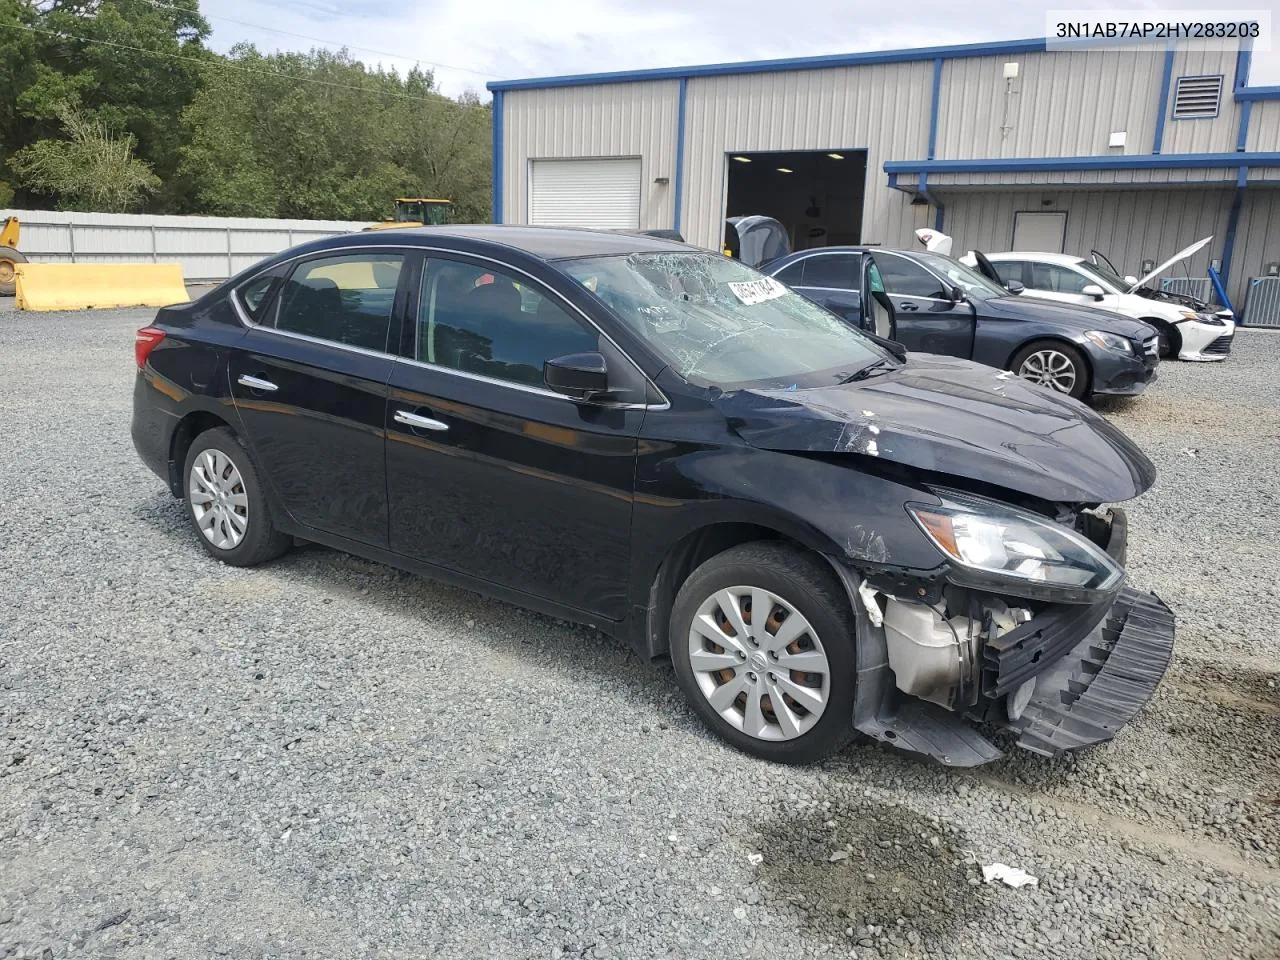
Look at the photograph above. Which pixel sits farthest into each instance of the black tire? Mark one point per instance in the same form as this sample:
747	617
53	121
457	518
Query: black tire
805	582
1169	338
9	257
260	540
1079	386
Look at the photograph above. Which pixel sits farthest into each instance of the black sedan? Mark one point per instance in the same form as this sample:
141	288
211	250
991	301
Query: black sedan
823	533
939	305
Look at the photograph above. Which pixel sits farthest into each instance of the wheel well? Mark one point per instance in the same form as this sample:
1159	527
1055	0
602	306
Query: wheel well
685	557
1088	365
190	427
1168	329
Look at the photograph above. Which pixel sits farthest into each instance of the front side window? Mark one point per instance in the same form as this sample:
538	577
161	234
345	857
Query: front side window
954	272
1049	276
1008	271
347	299
717	322
480	320
902	278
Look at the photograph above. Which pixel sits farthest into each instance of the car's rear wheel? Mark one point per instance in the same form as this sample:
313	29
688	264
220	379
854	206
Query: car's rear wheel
762	640
1053	364
225	501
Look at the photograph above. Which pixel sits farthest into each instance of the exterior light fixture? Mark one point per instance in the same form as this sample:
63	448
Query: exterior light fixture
836	156
743	159
785	170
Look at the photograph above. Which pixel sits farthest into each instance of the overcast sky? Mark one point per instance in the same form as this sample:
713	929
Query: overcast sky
469	42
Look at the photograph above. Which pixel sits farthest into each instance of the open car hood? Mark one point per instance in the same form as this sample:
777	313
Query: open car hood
1180	255
953	417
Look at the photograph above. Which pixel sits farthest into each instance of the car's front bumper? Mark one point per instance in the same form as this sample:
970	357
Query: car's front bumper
1091	669
1205	341
1122	375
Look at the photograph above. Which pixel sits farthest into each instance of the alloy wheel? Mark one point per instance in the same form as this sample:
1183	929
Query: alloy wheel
218	499
1049	368
759	663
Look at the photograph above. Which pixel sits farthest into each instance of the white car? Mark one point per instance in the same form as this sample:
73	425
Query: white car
1189	328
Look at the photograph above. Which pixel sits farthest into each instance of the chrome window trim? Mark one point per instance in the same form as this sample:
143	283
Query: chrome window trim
665	403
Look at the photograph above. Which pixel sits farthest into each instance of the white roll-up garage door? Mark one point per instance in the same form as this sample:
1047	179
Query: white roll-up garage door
604	194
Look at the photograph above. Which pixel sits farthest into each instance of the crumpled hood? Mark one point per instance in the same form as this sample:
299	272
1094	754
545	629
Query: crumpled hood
1026	306
953	417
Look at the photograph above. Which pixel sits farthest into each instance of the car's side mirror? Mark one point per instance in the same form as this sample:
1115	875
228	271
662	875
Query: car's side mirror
1130	280
1093	290
1015	286
580	376
957	295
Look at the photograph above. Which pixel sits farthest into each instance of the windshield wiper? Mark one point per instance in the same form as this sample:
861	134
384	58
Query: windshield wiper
874	368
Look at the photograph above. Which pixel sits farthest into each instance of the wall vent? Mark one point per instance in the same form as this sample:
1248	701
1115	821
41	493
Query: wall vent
1195	98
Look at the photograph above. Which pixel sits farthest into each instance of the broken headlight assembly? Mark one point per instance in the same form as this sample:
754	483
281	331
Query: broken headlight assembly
997	547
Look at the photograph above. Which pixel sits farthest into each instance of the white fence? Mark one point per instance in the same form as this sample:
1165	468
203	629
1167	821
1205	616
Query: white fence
209	248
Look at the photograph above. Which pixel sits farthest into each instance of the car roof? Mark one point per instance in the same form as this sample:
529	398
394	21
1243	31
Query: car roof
1065	259
547	243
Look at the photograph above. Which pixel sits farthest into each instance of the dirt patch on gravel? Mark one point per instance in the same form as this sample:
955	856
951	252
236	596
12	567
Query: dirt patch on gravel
894	873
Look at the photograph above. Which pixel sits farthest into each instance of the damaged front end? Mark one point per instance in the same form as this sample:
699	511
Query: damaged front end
1034	634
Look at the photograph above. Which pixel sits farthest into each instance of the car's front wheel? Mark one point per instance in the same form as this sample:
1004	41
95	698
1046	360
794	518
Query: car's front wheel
762	640
225	501
1055	365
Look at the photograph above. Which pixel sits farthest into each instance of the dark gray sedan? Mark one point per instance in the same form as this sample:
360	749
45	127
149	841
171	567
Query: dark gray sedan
938	305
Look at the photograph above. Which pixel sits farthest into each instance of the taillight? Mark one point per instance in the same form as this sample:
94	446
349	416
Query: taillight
145	340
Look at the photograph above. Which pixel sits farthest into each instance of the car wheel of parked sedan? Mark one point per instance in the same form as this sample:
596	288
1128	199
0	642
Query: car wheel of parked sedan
762	640
1053	364
226	504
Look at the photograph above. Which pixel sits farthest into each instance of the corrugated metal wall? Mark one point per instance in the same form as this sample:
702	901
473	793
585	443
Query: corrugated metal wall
209	248
1257	239
1063	104
883	109
1129	226
1208	135
1264	126
606	120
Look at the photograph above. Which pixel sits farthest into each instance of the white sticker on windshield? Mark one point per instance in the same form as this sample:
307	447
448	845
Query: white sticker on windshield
757	291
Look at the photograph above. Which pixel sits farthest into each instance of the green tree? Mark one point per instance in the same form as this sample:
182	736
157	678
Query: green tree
90	170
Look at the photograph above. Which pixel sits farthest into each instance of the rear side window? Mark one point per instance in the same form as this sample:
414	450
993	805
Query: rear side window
484	321
792	274
902	278
255	296
835	271
344	299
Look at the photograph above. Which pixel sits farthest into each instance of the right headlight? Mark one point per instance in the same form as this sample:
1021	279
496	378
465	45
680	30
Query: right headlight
997	546
1109	341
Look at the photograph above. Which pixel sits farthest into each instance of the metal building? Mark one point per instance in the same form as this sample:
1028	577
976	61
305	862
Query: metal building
1006	145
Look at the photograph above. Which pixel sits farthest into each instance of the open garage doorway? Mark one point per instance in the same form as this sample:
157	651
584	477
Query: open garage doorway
816	195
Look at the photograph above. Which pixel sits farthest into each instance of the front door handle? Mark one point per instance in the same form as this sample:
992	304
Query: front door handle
908	306
410	419
256	383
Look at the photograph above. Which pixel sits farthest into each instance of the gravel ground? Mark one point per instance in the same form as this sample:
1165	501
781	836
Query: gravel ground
326	757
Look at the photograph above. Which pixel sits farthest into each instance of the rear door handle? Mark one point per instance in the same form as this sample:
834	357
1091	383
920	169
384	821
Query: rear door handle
410	419
256	383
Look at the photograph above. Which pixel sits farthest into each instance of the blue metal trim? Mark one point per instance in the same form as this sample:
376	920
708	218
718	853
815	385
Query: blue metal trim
1243	61
1003	47
1129	162
1220	289
1258	93
679	177
933	110
1158	142
938	210
1242	140
497	157
893	181
1233	221
922	189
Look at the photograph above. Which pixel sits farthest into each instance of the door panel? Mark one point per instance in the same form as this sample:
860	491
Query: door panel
923	320
512	484
319	434
1039	231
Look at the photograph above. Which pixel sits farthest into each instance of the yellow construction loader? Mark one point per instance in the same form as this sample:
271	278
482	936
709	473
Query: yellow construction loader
9	255
417	212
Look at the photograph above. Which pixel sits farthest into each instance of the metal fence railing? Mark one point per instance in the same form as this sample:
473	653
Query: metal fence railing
1261	302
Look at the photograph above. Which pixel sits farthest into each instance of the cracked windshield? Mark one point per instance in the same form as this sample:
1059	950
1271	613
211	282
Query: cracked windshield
719	323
